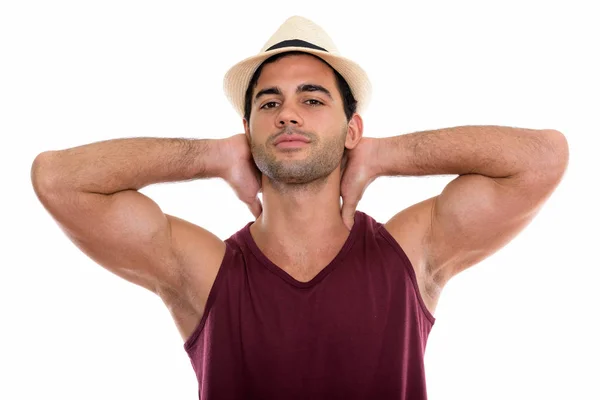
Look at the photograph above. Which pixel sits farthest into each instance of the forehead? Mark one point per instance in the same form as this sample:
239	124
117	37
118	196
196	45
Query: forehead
296	68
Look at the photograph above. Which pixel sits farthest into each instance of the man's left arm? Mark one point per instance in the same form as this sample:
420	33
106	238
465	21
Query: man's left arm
505	176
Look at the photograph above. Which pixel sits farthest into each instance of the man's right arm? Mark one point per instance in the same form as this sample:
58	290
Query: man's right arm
92	193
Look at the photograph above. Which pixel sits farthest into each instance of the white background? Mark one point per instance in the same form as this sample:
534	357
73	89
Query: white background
520	325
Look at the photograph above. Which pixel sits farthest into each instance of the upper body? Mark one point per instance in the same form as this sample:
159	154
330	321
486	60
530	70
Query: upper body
300	227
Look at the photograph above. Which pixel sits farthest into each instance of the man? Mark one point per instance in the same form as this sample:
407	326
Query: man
312	299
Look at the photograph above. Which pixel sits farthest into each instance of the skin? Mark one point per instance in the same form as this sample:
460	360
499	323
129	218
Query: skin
300	186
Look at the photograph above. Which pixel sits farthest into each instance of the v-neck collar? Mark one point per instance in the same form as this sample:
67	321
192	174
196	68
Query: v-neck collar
265	261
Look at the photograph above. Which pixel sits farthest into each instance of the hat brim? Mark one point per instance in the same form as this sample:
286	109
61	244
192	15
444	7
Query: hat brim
237	78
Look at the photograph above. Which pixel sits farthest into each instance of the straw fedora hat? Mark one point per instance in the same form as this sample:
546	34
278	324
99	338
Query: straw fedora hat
297	34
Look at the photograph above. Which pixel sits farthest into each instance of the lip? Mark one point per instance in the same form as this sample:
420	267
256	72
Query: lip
291	138
291	143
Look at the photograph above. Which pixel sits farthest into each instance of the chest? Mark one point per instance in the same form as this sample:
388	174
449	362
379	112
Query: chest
353	290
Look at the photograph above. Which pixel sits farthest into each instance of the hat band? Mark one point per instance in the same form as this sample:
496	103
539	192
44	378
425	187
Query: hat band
295	43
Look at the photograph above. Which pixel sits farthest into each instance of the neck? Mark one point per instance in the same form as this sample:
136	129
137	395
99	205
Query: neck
301	217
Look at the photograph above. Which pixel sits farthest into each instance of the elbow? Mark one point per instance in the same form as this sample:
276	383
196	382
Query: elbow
42	173
556	157
547	166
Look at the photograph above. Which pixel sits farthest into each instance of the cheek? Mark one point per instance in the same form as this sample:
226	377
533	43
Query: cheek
258	122
259	132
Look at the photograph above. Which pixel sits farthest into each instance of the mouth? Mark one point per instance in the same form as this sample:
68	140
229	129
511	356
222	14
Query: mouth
291	135
291	143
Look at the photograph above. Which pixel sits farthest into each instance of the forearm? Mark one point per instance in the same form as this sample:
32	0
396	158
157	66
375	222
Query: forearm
493	151
131	163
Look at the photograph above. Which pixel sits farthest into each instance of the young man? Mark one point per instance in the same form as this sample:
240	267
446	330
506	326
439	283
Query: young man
313	299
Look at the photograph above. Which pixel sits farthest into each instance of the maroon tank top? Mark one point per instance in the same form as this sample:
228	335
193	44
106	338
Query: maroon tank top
357	330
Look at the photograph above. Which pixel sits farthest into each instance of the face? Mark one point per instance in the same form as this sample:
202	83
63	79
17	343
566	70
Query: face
297	95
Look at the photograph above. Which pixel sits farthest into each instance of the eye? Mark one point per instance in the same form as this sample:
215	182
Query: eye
313	102
268	105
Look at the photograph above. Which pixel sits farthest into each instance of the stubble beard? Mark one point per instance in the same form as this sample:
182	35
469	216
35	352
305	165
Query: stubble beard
323	157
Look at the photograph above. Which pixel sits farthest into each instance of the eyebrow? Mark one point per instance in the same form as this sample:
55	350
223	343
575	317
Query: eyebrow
308	87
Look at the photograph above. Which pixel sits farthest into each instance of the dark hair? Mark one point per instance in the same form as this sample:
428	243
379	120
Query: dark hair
347	97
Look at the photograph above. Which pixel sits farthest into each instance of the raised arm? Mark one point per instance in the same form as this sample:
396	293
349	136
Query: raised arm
92	193
505	176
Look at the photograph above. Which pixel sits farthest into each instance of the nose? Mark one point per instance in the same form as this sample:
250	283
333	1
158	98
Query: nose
288	115
282	122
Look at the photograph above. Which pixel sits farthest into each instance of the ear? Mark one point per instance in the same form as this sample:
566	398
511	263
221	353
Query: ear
246	129
355	131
